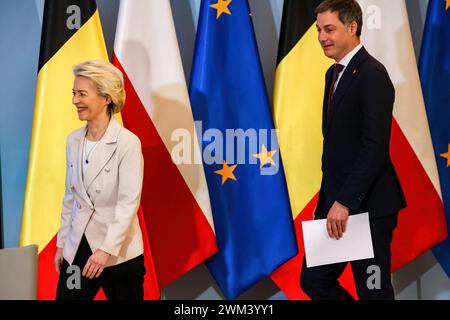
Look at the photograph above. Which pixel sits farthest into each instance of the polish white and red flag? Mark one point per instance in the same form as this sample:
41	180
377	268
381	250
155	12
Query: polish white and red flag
175	199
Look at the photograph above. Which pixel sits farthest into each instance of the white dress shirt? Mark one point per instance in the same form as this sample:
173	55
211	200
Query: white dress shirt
345	61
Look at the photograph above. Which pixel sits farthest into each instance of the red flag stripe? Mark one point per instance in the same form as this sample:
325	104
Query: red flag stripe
422	224
151	288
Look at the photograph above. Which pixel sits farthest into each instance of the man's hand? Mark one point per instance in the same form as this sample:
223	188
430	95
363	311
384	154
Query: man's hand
337	220
58	259
95	264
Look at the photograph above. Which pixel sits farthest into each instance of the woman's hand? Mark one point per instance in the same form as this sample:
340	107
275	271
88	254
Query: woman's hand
58	259
95	264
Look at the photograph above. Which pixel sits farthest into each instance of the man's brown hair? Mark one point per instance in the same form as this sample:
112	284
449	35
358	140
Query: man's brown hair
348	11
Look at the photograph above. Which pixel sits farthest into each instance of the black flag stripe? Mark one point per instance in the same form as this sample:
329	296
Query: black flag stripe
55	31
298	16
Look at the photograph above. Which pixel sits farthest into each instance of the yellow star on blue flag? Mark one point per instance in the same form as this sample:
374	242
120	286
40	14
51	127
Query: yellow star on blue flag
222	7
265	156
226	172
447	155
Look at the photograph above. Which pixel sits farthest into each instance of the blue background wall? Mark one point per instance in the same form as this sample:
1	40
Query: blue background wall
20	28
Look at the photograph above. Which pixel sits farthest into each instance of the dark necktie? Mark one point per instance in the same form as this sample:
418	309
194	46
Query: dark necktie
337	69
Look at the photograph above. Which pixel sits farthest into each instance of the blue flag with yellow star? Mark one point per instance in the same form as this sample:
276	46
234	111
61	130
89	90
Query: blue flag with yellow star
434	68
252	216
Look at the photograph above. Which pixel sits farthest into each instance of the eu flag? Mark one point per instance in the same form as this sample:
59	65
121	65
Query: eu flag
249	199
434	68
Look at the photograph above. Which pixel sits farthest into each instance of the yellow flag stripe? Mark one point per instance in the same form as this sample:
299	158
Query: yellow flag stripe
54	118
298	96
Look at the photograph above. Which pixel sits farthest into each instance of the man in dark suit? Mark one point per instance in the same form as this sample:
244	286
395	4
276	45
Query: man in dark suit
358	175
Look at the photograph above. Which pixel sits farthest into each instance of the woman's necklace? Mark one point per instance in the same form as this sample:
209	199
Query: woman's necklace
88	153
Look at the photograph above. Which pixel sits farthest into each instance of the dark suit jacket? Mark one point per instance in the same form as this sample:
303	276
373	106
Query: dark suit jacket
356	165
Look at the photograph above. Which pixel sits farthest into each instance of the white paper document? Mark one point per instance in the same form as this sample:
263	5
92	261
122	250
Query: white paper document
320	249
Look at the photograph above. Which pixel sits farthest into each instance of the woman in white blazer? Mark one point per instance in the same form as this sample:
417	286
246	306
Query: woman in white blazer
100	233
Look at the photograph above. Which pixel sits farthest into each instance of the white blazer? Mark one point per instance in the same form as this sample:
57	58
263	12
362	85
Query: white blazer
104	206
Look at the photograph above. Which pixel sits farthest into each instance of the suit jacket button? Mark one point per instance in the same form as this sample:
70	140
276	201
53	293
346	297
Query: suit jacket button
98	191
107	169
72	187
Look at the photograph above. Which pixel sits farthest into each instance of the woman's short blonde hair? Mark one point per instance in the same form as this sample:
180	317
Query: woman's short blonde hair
106	78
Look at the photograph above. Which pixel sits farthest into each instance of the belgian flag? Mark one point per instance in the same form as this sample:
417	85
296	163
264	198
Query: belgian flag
298	96
71	33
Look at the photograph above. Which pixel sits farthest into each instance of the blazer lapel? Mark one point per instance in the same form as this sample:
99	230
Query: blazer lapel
78	147
102	152
350	73
325	99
